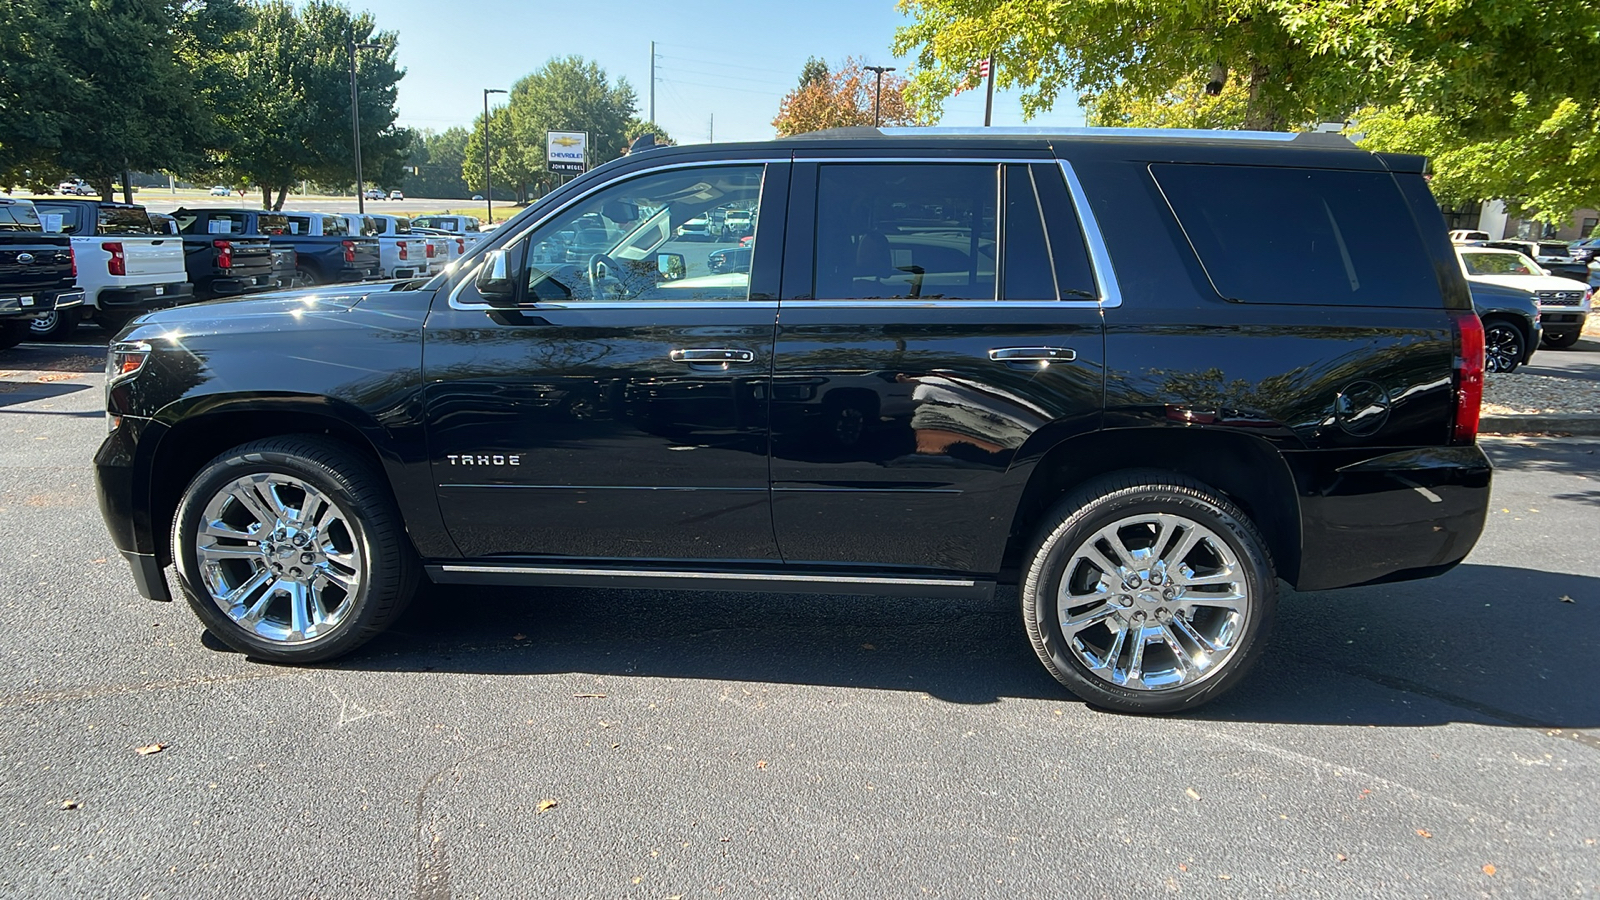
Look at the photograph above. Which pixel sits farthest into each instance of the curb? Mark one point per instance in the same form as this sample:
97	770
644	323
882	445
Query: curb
1567	423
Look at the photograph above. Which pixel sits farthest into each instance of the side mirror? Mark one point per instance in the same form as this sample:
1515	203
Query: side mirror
671	266
497	277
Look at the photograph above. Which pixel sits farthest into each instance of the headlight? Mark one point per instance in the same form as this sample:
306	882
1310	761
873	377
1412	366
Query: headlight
125	360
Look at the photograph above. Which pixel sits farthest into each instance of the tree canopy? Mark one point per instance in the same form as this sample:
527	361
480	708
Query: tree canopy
842	98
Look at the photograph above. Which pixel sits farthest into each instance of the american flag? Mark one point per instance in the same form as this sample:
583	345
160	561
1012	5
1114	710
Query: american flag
983	69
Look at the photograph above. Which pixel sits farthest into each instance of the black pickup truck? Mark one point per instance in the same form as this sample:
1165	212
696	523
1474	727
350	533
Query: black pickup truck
956	361
223	254
37	274
319	258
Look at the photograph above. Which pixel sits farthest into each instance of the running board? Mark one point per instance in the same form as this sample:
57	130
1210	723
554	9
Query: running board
689	580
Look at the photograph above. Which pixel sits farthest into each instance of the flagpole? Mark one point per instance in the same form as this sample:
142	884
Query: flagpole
988	104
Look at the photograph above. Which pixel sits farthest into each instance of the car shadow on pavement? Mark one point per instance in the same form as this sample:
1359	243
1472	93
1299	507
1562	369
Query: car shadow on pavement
1483	644
1542	453
14	392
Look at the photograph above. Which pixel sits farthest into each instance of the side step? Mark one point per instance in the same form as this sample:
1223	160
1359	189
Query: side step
776	581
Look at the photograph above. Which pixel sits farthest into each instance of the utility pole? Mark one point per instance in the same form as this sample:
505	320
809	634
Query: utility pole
652	82
988	104
711	133
877	95
488	180
355	116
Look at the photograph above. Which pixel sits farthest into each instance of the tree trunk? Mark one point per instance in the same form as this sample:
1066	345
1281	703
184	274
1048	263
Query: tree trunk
283	190
266	196
127	186
103	185
1261	112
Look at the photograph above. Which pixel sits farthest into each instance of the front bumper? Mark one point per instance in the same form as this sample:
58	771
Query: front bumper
125	506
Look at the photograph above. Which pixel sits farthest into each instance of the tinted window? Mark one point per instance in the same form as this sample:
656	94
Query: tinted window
272	224
299	224
18	217
1552	249
1498	264
125	220
889	232
1279	235
1028	273
216	223
1074	275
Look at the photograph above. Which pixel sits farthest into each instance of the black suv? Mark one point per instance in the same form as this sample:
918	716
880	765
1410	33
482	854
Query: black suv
1141	377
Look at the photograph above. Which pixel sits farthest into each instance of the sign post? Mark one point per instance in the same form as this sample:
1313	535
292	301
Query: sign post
567	152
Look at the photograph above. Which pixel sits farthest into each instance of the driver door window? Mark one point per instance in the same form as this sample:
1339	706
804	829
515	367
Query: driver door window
662	237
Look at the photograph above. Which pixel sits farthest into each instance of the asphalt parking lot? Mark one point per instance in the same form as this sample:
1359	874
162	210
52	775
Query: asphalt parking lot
1437	738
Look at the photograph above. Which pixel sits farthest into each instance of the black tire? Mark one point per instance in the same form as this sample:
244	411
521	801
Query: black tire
1560	340
1118	498
304	278
56	325
113	321
1504	346
362	518
13	332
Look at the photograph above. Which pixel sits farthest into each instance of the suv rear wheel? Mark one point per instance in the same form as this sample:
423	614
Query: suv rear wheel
1148	592
290	549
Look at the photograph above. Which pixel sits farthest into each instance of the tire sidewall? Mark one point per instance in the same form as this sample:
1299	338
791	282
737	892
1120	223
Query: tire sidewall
241	462
1056	550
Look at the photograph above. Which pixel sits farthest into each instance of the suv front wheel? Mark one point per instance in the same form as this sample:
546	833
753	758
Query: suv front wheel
1148	592
290	549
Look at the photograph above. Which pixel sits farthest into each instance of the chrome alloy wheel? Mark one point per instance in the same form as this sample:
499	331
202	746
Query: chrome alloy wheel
279	557
1153	602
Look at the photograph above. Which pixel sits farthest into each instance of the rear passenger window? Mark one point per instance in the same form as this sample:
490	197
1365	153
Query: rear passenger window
1028	274
1312	236
1073	272
906	232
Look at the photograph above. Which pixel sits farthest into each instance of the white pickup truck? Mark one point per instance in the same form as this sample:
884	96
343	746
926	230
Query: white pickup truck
403	254
467	227
126	264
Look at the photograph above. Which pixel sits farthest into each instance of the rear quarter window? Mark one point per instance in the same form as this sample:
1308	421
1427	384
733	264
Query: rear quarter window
18	217
1303	236
125	220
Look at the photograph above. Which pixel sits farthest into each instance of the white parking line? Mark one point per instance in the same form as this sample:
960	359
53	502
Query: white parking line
52	344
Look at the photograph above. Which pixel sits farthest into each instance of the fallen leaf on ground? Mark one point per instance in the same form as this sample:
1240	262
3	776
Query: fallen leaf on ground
148	749
547	804
1224	877
1566	599
761	764
1182	867
589	696
868	647
1424	833
1488	868
1341	857
519	636
70	804
1193	794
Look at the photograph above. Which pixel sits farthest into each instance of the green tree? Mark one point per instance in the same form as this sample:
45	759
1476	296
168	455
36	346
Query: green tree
435	164
97	89
1187	105
815	71
567	94
290	116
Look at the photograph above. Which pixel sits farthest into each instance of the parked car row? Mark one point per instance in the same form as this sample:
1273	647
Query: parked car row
120	260
1549	274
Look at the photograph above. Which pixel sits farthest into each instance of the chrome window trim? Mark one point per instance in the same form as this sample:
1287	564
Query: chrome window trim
1183	134
1105	275
467	274
732	576
948	304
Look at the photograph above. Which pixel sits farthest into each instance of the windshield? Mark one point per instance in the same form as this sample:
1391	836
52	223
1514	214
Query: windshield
1499	264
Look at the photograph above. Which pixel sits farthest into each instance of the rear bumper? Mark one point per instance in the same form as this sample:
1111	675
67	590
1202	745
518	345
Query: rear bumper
1404	515
242	284
145	296
27	306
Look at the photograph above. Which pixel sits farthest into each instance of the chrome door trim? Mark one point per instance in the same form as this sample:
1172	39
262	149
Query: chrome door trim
1105	276
729	576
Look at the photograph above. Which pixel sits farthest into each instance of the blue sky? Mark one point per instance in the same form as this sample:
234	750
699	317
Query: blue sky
715	58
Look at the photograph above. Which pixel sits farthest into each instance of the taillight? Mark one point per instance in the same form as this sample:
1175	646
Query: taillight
403	254
118	263
350	251
461	246
1468	374
1588	296
73	255
224	254
428	246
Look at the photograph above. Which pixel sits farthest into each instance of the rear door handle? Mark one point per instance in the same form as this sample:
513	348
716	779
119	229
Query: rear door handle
1045	355
713	355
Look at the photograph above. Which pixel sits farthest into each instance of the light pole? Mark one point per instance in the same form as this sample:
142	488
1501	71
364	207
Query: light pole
355	116
488	183
878	93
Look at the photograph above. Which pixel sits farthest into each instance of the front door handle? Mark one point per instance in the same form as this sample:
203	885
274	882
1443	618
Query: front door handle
713	355
1041	355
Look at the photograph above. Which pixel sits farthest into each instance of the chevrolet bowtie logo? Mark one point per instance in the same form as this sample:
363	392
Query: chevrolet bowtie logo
566	141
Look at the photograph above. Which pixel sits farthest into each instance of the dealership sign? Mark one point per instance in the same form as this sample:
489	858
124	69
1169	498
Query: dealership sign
568	151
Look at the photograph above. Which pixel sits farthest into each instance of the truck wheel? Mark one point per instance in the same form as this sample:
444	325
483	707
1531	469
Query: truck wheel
291	549
303	278
113	321
56	325
1147	592
1560	340
12	333
1503	346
